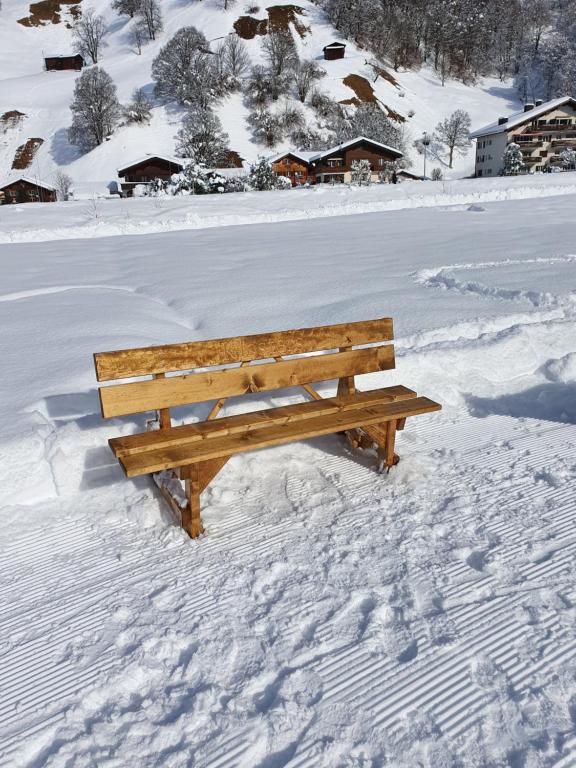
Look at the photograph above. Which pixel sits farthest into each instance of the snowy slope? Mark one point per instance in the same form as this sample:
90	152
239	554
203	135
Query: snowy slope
331	617
45	97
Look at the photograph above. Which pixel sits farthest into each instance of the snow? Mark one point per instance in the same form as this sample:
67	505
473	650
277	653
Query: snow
95	213
331	617
44	97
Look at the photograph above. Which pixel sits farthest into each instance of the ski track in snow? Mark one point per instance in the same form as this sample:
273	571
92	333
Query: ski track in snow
332	617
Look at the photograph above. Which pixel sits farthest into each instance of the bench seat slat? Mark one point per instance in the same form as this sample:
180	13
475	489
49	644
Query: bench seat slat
128	363
277	434
173	391
245	422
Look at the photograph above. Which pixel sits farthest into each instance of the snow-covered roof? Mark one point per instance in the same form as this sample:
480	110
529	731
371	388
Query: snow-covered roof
301	154
518	118
172	160
6	182
335	45
60	55
310	156
346	144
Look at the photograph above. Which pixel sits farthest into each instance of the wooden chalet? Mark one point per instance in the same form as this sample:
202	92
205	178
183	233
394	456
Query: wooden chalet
334	51
334	166
147	169
57	63
27	190
294	166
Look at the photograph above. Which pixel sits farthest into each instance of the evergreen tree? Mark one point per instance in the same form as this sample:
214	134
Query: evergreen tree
513	160
568	159
262	177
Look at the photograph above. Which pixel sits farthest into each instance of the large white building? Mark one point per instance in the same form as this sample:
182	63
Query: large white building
542	130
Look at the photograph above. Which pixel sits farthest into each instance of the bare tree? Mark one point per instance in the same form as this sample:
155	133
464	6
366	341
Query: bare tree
63	184
186	70
149	10
138	34
126	7
454	133
233	57
280	52
307	72
139	109
88	34
202	139
95	109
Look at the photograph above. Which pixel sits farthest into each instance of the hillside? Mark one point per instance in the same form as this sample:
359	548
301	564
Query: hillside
43	98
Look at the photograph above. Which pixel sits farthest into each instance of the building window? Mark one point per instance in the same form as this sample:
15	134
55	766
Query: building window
382	161
489	172
335	162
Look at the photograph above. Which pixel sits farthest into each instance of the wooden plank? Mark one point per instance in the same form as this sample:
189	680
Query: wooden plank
164	417
204	450
207	471
346	385
153	395
189	433
126	363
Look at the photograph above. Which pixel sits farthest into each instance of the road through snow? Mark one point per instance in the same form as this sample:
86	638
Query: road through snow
331	617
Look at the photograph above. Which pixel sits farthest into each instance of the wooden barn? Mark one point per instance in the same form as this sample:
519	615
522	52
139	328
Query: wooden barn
26	190
334	166
57	63
147	169
334	51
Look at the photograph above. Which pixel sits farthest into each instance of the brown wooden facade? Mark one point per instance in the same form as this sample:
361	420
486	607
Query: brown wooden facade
334	166
59	63
334	51
293	168
26	191
147	170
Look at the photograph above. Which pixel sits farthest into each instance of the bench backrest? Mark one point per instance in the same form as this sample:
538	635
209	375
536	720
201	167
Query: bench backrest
163	392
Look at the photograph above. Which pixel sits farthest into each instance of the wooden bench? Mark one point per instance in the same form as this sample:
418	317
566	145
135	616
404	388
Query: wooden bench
195	453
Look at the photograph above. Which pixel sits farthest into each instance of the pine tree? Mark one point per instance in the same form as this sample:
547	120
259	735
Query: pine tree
513	160
262	177
568	159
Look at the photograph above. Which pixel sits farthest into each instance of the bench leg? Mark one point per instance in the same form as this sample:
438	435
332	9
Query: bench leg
386	452
191	520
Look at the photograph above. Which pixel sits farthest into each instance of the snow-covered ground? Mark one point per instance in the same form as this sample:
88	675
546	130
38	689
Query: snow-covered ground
45	97
99	214
331	617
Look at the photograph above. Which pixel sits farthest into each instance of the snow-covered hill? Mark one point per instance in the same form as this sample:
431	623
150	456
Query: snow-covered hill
44	97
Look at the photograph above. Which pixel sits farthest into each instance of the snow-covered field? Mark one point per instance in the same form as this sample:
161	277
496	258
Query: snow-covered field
331	617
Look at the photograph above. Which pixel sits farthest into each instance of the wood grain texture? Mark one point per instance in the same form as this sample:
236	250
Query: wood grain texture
217	447
127	363
156	394
246	422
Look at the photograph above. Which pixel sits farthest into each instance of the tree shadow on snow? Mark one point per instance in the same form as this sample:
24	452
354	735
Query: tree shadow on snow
63	153
549	402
